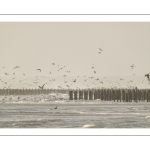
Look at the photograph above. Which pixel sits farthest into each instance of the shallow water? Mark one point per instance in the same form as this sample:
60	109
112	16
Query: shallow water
73	114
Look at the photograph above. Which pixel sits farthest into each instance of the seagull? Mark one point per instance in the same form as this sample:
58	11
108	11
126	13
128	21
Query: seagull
16	67
147	75
85	80
6	74
74	80
100	49
55	107
41	87
53	63
39	69
94	71
132	67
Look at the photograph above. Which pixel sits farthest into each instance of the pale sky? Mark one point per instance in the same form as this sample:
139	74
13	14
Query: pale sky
76	46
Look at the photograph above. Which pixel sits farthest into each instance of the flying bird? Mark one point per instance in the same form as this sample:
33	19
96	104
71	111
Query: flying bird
41	87
133	66
39	69
147	75
6	74
16	67
100	49
94	71
53	63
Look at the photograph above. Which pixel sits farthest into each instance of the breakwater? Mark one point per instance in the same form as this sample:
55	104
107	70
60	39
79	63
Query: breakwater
117	95
31	91
103	94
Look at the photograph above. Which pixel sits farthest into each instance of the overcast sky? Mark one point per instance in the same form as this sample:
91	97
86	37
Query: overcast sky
76	46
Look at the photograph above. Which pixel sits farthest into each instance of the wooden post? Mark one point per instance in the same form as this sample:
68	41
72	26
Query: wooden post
83	95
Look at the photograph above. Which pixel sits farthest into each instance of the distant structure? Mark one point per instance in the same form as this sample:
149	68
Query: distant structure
103	94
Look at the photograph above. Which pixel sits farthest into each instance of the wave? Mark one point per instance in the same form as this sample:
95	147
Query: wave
147	117
89	126
105	113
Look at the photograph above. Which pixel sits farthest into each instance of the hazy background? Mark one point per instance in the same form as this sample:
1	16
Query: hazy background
76	46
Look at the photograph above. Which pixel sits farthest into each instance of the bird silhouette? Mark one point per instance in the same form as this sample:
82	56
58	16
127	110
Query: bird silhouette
147	75
39	69
41	87
6	74
100	49
16	67
133	66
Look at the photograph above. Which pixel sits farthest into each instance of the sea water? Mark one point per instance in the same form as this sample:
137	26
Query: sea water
41	113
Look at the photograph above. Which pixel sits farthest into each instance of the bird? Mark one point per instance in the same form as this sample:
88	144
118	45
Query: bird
61	68
23	74
147	75
50	72
74	80
16	67
6	74
39	69
99	52
41	87
94	71
53	63
100	49
133	66
55	107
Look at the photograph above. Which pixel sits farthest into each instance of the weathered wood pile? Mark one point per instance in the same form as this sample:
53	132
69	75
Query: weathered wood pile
119	95
31	91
